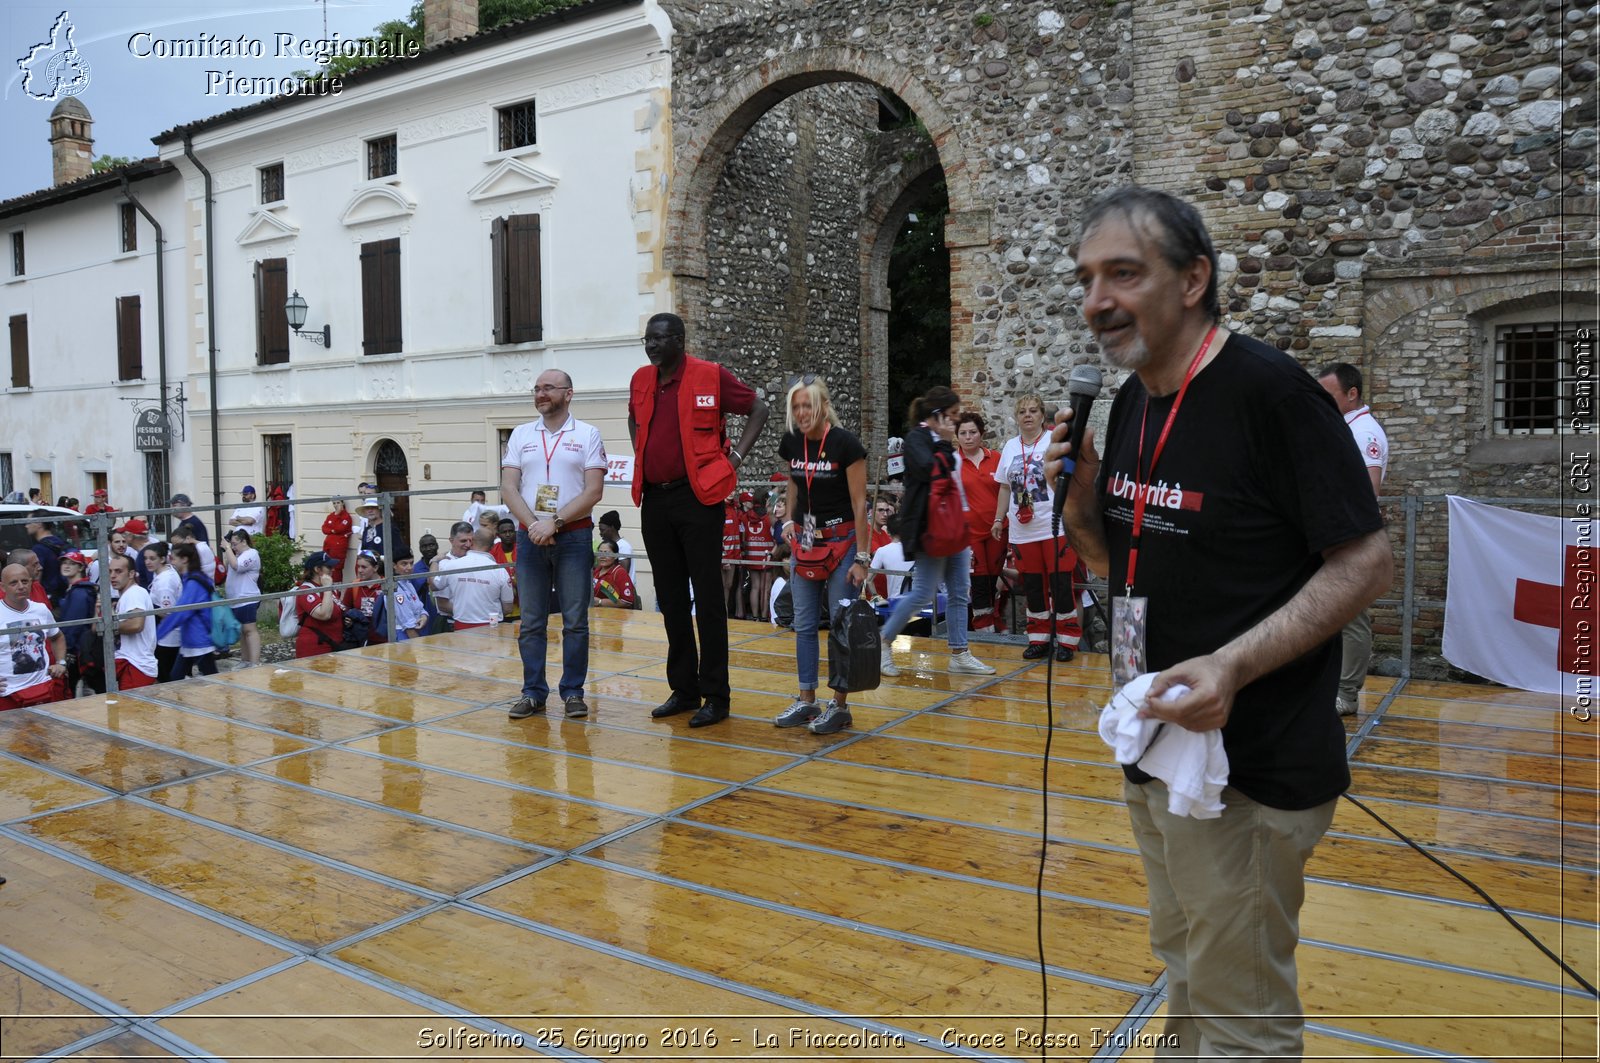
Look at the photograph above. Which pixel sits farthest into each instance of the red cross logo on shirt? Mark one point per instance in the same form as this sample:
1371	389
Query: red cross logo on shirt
1540	604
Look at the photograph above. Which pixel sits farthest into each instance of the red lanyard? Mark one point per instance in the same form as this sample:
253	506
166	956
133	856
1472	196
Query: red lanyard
805	458
1027	457
1141	491
550	448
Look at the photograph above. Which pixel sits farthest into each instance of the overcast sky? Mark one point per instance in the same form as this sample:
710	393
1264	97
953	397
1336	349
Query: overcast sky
131	98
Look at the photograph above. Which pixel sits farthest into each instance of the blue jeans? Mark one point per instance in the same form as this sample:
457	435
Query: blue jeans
955	572
567	566
809	597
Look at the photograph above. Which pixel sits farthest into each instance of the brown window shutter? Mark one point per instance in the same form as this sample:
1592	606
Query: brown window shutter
130	359
272	326
20	377
497	268
524	297
380	297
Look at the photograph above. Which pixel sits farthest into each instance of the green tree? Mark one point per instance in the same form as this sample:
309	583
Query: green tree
919	307
410	30
108	162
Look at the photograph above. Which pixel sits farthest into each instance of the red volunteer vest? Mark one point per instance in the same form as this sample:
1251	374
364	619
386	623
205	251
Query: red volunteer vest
700	417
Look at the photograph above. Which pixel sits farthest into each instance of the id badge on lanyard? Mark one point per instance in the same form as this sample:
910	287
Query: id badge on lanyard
1129	618
808	531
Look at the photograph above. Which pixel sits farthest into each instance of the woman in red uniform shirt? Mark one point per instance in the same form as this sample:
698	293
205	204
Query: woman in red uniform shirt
978	464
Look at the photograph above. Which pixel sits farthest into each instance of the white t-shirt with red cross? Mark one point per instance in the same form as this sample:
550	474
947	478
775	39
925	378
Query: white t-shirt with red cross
1370	439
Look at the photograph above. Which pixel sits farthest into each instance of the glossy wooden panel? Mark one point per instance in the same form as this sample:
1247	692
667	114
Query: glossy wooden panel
1487	693
1544	802
1489	713
1098	874
281	712
1574	746
325	1015
436	857
946	726
1019	810
658	749
1548	890
35	1018
634	788
396	782
293	898
1102	780
1101	941
135	950
200	736
482	965
115	763
1466	760
26	789
379	699
751	708
1517	836
835	967
462	691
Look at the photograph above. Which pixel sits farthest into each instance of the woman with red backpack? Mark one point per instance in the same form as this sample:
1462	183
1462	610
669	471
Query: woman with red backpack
933	530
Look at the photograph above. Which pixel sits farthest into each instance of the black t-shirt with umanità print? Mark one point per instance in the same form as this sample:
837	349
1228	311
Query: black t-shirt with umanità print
1257	477
829	493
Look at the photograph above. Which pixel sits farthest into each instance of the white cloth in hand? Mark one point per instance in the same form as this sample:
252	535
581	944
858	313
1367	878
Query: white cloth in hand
1193	764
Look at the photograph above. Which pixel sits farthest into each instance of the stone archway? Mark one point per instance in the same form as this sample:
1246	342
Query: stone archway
706	138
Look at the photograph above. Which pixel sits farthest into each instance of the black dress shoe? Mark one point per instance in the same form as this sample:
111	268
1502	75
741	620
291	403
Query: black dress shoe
1064	653
675	704
1035	651
709	713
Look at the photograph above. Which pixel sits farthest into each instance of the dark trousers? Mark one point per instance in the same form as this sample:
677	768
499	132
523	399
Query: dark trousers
683	539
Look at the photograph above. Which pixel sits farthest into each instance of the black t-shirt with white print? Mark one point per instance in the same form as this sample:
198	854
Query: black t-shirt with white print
1257	478
828	495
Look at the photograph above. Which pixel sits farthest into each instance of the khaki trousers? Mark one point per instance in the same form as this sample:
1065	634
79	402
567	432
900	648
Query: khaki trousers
1356	643
1225	897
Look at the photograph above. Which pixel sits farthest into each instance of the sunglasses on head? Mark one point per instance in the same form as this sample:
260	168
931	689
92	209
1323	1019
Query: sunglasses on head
802	381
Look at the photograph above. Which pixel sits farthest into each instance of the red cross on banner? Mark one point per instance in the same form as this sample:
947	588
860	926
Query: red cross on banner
1541	603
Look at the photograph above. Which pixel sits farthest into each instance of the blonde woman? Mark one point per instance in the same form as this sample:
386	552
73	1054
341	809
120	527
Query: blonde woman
826	505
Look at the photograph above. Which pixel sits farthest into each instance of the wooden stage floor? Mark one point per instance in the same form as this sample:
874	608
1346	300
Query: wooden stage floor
360	857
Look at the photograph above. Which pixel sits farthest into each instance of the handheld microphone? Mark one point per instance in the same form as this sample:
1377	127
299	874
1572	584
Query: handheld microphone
1083	386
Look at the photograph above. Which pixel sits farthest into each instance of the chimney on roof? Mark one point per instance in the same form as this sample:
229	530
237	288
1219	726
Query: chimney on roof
71	146
444	20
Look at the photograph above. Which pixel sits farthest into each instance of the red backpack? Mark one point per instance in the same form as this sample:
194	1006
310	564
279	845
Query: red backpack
944	532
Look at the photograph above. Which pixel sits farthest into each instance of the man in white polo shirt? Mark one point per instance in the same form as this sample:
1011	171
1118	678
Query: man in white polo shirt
1343	381
136	636
551	477
471	586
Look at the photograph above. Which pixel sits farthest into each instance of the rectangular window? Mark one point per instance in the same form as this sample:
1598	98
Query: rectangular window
277	464
383	157
19	259
98	482
7	482
129	220
380	297
1533	377
517	126
518	298
272	183
155	485
130	357
20	377
272	324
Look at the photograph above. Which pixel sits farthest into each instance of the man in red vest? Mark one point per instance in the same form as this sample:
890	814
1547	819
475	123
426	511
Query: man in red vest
682	470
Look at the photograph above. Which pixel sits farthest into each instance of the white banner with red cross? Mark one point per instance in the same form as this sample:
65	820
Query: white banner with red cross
1521	608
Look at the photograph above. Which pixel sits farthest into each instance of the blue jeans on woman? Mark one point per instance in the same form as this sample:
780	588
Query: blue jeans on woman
567	567
810	597
955	572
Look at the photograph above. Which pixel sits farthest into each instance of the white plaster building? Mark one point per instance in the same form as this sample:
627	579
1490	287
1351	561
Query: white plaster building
460	221
81	326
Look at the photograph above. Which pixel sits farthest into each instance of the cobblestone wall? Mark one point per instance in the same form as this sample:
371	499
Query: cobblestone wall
1385	179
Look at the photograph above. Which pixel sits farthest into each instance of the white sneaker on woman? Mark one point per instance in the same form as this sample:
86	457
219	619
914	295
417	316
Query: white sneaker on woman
886	661
966	662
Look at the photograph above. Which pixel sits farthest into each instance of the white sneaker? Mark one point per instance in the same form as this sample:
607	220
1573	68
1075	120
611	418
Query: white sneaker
886	661
966	662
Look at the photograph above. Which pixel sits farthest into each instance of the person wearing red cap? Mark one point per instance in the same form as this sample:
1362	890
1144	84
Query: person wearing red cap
138	537
78	603
99	505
